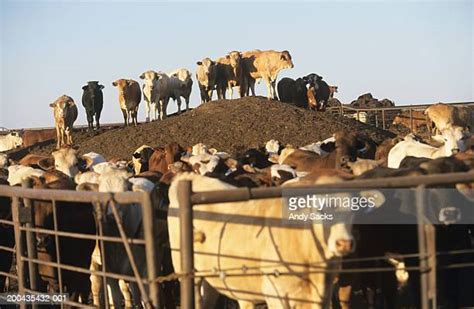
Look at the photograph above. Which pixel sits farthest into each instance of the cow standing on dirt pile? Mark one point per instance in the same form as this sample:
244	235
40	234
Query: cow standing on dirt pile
149	94
229	73
320	89
65	113
93	101
206	74
266	64
182	84
129	99
293	91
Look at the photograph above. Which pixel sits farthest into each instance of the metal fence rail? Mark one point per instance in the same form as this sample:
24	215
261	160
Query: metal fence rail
426	247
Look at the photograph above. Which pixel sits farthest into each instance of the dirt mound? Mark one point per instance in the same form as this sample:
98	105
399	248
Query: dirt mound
227	125
368	101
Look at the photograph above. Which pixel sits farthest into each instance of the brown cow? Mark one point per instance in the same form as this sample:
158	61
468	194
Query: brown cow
419	120
162	158
65	113
129	99
31	137
266	65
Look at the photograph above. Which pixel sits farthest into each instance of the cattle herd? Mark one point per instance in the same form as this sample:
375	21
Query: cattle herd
257	248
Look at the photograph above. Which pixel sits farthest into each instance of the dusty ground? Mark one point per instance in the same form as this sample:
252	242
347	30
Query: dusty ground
227	125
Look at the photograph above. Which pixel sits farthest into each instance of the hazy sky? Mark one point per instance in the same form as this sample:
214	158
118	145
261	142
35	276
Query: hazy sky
407	51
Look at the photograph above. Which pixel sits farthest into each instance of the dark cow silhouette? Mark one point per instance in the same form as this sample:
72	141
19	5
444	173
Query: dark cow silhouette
93	101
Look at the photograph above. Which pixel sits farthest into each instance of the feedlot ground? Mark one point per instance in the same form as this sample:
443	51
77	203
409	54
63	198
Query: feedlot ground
227	125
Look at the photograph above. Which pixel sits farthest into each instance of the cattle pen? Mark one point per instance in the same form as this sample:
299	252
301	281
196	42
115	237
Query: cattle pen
384	115
27	262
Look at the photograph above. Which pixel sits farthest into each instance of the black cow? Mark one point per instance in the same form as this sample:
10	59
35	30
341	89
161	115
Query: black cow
293	91
93	101
320	87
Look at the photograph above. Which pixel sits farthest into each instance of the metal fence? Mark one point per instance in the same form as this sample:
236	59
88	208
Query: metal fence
383	116
27	261
426	233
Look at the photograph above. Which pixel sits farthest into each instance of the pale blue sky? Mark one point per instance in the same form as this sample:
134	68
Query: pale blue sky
408	51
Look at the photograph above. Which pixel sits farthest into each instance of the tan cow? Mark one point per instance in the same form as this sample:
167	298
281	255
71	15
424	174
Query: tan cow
419	120
150	80
247	239
445	116
129	98
265	65
65	113
206	76
229	73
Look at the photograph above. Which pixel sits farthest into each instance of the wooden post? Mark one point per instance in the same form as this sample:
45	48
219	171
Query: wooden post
383	119
18	246
411	120
186	244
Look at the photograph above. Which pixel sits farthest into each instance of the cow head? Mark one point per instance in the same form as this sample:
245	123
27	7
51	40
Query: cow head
93	88
285	60
61	107
207	65
454	138
234	58
65	160
150	78
140	158
347	147
123	85
15	139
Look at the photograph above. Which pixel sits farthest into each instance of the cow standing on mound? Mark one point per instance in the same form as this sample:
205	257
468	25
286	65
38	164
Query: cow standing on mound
293	91
129	99
93	101
65	113
264	65
320	89
206	75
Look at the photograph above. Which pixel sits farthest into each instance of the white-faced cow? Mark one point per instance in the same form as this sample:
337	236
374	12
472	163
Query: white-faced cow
206	76
65	113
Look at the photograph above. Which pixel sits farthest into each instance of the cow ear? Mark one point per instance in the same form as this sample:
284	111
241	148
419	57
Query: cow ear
114	84
199	63
227	56
46	163
84	87
283	57
213	62
142	76
53	105
101	86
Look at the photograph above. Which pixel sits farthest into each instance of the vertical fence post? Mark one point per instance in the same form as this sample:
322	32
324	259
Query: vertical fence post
186	244
411	120
30	240
383	119
149	229
420	200
431	249
18	246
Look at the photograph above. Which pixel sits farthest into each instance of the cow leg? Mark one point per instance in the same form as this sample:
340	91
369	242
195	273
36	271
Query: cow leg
90	119
58	137
164	105
178	100
125	117
115	291
231	89
127	295
274	96
209	95
269	88
252	86
246	305
187	103
97	117
147	110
